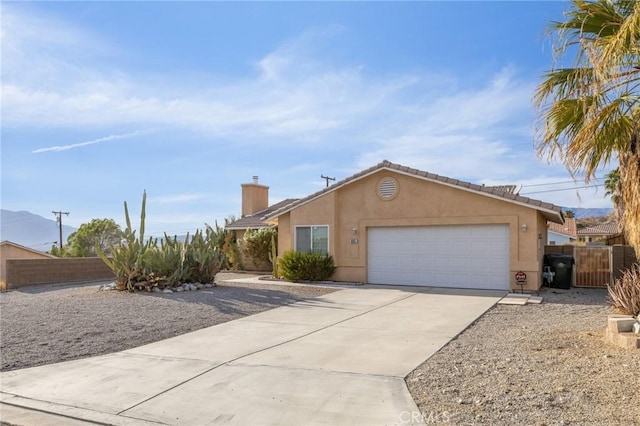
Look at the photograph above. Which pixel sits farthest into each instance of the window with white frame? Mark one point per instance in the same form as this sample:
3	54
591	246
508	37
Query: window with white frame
312	239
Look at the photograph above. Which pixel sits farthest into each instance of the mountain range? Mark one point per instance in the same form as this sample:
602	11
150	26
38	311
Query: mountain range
581	213
31	230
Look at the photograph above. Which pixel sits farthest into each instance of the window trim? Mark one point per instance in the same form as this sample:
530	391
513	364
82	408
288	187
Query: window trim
295	235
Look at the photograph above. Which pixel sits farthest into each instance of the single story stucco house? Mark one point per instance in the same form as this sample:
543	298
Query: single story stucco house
392	224
598	233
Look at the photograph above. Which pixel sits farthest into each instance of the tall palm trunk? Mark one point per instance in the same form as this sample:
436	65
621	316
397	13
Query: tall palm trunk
630	185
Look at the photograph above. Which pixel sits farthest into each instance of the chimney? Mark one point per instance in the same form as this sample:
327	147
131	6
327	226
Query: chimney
255	197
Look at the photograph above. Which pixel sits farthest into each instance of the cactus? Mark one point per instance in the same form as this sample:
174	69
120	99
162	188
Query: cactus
140	264
273	256
128	259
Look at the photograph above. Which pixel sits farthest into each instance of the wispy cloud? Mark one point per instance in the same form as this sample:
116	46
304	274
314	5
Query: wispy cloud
59	148
300	95
177	198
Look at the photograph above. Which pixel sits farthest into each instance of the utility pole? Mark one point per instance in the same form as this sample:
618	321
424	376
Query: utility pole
59	222
327	178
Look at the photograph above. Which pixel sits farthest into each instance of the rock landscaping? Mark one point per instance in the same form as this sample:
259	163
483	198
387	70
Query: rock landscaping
545	364
48	324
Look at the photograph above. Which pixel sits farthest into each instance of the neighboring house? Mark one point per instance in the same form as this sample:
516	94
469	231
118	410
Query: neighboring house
255	208
560	234
391	224
9	250
598	233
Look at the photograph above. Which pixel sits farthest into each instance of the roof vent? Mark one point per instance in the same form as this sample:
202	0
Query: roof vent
387	188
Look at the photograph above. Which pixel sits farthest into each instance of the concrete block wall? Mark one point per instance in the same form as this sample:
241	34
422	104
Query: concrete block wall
24	272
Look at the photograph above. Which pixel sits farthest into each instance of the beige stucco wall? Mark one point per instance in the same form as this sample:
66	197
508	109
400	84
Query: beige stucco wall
255	198
418	203
8	251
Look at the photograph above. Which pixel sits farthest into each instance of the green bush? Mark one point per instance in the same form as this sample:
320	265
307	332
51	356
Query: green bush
297	266
258	242
624	293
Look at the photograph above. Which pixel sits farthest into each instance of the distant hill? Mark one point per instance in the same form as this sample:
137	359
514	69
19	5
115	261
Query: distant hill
581	213
31	230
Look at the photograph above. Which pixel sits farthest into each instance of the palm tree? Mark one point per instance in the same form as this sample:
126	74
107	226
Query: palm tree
613	189
589	112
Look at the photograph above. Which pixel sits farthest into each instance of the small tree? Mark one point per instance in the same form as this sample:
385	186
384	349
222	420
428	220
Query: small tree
99	233
58	252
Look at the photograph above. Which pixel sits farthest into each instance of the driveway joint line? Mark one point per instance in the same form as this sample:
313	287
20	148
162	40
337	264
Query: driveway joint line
292	367
261	350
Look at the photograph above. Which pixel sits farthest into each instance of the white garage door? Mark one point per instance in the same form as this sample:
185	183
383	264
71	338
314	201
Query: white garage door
470	256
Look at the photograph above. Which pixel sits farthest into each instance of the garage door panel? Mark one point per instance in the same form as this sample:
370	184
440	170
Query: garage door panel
473	256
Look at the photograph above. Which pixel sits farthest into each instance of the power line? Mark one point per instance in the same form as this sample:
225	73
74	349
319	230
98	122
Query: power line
59	222
563	189
554	183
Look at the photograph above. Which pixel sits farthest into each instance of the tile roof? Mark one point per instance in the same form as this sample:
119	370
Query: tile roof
550	211
601	229
569	228
257	220
511	189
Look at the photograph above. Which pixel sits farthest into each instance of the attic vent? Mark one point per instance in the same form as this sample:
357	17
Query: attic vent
387	188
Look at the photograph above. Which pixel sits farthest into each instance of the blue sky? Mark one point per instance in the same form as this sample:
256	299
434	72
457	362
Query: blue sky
101	100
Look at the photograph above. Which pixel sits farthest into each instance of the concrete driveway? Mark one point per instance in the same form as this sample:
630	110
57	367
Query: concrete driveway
337	359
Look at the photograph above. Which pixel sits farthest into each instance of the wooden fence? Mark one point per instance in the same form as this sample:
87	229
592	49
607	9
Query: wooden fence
596	266
592	266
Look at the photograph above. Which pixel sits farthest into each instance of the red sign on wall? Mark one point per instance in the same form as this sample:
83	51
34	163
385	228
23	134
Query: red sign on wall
521	277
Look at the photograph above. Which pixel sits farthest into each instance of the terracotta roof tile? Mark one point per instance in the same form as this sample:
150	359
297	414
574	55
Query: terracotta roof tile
258	219
601	229
509	189
569	227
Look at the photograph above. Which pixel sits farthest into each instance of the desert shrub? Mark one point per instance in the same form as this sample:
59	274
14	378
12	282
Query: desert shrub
202	258
296	266
227	241
624	293
257	242
140	264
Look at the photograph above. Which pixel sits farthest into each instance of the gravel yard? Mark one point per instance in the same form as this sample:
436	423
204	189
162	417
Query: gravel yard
48	324
542	364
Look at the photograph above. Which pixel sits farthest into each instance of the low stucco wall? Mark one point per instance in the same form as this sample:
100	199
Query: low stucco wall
24	272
